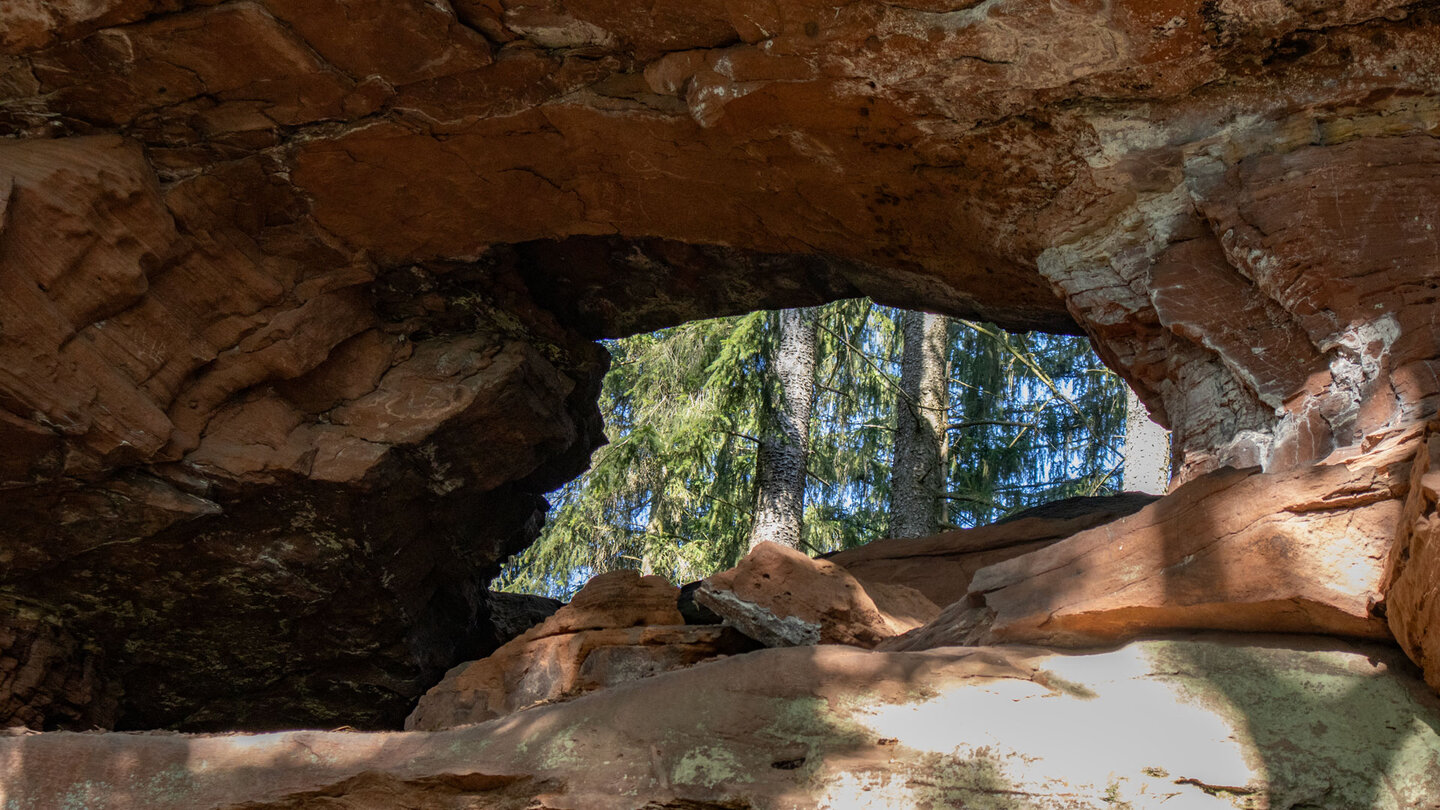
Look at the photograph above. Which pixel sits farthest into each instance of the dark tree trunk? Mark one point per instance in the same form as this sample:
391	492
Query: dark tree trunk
917	478
780	497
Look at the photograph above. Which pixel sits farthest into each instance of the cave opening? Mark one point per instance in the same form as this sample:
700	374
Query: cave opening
1014	420
298	311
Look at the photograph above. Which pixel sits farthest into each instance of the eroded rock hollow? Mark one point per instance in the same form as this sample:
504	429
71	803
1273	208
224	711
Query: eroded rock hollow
298	297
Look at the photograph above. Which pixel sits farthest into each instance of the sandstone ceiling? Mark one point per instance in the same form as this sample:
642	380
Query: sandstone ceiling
298	297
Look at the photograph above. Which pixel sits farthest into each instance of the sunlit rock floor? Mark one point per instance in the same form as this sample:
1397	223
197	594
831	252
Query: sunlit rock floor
1208	721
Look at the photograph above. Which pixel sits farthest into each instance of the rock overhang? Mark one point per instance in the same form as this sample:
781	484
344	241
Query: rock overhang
240	237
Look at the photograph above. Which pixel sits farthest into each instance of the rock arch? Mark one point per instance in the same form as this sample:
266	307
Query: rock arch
299	298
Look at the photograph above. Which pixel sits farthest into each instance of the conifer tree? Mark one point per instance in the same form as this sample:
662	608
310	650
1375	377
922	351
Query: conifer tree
1031	418
917	487
780	494
1034	418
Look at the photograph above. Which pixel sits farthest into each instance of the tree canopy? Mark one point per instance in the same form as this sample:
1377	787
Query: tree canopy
1031	418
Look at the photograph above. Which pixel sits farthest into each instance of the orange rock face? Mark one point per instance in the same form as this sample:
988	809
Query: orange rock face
620	627
529	671
614	599
1412	574
782	598
207	408
941	566
297	297
1151	724
1297	552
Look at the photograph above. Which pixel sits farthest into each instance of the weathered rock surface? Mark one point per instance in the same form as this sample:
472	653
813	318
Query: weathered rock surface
620	627
1302	551
621	598
295	297
940	566
1412	574
783	598
529	671
1211	722
47	673
513	613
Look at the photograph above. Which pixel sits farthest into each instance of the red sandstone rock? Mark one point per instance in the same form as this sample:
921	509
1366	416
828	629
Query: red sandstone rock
1412	572
941	566
1299	552
558	667
620	627
49	677
614	599
780	597
181	360
1208	722
227	224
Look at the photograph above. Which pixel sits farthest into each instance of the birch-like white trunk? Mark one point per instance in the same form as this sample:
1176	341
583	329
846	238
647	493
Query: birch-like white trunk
1147	449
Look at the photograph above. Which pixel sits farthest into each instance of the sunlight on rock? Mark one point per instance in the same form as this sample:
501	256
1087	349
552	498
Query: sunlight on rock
1109	717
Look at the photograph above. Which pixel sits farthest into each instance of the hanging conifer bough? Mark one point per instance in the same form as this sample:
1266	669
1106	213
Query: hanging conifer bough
1023	419
1035	418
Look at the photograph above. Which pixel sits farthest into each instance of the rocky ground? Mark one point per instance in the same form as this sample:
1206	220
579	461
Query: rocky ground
1211	721
1088	660
299	297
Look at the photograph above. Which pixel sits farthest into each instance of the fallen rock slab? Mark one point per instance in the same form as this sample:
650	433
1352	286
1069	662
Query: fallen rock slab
1300	552
553	668
621	598
783	598
1412	576
620	627
513	613
1205	723
941	566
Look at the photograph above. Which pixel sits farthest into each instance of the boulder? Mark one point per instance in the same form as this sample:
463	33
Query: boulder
1301	551
620	627
553	668
1412	572
781	597
511	614
940	566
620	598
1210	723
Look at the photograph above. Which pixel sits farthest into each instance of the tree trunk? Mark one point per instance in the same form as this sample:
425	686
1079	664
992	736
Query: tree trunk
780	497
654	527
917	478
1147	449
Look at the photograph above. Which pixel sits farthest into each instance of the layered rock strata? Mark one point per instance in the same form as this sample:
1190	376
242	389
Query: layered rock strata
259	486
1303	551
295	296
620	627
941	566
782	598
1412	573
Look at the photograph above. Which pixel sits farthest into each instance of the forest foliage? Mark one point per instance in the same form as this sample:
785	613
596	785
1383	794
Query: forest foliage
1031	418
